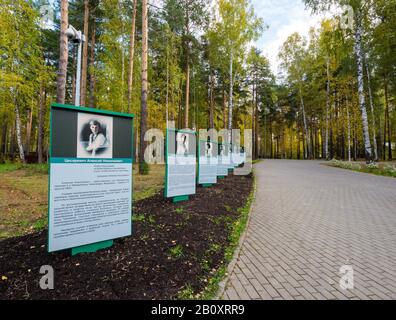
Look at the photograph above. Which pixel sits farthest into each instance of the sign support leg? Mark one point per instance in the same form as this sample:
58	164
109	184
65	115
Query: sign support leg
207	185
180	199
93	247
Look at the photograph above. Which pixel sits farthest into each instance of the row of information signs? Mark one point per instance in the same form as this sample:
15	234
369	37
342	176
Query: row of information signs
90	174
184	156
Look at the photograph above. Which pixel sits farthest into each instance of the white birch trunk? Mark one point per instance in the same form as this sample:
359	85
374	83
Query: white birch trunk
144	92
327	112
230	100
372	113
349	132
167	87
40	133
362	98
84	69
19	134
308	147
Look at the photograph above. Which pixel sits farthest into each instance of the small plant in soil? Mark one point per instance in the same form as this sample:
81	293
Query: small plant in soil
144	237
179	210
214	247
205	265
138	217
176	252
186	294
151	220
228	208
179	225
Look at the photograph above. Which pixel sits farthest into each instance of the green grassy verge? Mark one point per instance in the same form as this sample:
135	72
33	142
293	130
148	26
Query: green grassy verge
237	229
386	170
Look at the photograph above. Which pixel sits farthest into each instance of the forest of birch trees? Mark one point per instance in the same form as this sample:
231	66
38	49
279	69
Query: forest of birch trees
194	62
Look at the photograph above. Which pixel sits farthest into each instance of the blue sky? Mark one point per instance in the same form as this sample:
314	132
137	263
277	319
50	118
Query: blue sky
283	17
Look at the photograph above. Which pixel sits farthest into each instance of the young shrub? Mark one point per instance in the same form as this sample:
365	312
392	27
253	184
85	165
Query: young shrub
346	165
356	166
389	169
372	166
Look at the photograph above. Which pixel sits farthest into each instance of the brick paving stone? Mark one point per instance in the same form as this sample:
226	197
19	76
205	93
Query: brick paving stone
271	290
264	295
291	289
308	220
232	294
285	294
252	292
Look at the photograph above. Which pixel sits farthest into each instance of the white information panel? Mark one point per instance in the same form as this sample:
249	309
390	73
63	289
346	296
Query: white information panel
181	163
207	162
223	161
90	202
90	184
181	177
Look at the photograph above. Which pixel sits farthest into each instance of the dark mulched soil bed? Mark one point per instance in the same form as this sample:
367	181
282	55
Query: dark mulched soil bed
142	266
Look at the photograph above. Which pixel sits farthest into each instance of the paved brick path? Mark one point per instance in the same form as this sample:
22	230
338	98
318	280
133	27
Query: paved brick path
308	220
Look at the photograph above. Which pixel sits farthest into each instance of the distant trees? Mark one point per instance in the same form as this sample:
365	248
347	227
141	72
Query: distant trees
338	73
195	65
359	12
236	27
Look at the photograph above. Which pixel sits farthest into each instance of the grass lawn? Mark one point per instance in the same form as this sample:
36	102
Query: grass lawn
24	200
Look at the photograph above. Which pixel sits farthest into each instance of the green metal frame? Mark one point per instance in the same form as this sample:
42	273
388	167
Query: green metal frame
92	110
205	185
93	247
182	197
222	143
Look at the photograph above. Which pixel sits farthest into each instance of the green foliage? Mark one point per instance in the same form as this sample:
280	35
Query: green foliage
40	224
30	168
190	29
373	168
186	294
390	170
176	251
138	217
144	168
179	210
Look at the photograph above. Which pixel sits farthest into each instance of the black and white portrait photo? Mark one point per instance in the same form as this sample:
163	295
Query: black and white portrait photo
182	144
208	149
94	133
222	150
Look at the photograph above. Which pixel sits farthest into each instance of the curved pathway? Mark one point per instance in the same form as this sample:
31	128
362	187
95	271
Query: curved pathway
309	220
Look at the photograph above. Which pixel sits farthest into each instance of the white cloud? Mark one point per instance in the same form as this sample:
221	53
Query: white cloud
283	17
